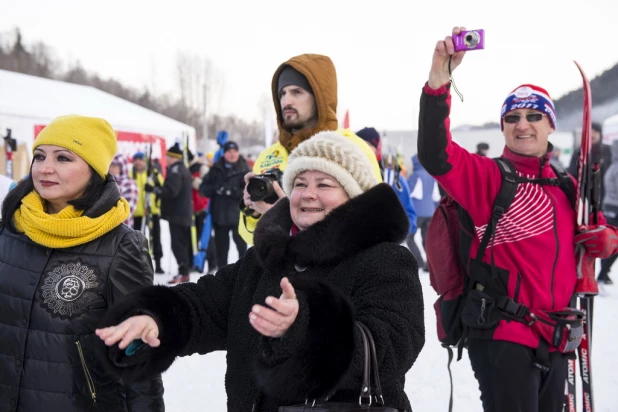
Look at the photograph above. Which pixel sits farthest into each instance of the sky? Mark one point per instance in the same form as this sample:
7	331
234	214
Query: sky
381	49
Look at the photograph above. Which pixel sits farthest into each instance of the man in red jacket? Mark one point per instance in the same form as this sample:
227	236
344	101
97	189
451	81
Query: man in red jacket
530	262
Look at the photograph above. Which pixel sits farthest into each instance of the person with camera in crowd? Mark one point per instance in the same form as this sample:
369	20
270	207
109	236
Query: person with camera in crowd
224	185
286	311
529	264
177	209
304	91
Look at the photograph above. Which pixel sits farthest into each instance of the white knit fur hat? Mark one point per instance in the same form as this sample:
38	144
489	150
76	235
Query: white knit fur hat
333	154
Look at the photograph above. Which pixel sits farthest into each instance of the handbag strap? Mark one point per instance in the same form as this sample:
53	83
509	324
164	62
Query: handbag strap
377	387
365	392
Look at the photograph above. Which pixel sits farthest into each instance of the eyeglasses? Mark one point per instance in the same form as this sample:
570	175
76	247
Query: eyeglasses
530	117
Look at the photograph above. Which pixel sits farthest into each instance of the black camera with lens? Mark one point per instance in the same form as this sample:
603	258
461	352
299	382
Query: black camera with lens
260	187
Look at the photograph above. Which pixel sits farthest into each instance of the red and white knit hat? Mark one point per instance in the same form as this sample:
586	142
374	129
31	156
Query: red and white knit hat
529	96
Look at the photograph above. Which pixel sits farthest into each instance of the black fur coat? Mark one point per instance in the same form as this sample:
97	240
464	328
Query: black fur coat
349	266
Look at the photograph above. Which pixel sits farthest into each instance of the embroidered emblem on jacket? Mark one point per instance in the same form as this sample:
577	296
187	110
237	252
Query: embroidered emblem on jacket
530	214
69	289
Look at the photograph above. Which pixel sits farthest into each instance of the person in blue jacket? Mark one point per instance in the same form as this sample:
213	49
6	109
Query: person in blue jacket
425	198
390	172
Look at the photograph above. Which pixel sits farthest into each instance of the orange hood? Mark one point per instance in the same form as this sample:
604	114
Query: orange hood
321	75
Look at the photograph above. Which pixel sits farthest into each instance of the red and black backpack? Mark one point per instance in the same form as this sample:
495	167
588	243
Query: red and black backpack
452	271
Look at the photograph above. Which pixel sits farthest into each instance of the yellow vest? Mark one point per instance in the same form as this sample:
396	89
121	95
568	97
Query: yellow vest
140	180
276	156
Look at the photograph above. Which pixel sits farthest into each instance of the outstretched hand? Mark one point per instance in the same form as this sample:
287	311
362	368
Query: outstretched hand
439	74
276	321
136	327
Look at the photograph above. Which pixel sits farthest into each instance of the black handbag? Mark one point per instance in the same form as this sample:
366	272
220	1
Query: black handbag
370	398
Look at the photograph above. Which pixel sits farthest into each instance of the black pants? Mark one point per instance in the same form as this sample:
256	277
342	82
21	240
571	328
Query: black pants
156	248
181	247
509	381
200	217
416	252
222	243
211	254
423	226
606	264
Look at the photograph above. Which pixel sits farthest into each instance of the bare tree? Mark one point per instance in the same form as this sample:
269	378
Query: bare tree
76	74
199	87
45	63
196	101
246	134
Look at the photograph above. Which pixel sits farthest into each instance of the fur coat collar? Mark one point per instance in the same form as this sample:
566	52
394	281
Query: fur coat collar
371	218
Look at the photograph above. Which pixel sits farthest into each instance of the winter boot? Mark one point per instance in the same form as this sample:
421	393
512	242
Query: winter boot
212	270
178	279
158	269
604	276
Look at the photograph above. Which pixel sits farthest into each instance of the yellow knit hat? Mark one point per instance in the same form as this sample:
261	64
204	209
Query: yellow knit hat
91	138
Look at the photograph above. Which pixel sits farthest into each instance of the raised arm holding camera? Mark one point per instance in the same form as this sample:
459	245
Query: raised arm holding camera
528	269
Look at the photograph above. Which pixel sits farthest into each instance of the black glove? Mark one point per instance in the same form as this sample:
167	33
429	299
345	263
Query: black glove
155	178
148	188
224	191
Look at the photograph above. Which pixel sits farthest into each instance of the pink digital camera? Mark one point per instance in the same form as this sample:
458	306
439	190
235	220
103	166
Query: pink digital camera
469	40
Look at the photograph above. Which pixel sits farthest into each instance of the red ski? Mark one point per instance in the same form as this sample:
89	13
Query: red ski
587	206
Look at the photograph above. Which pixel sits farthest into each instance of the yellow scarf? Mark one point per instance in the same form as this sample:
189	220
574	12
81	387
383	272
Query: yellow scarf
68	227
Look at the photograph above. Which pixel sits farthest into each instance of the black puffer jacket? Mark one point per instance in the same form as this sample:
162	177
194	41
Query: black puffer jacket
347	267
50	303
176	197
224	186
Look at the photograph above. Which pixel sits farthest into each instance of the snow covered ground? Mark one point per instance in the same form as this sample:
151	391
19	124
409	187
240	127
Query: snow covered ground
196	383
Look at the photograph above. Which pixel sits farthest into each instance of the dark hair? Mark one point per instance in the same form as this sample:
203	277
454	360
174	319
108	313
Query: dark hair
598	127
12	201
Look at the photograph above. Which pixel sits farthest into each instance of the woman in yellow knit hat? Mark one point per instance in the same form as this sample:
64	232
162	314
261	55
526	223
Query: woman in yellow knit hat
65	255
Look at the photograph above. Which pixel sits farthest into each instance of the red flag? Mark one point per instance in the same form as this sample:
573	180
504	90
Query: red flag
346	120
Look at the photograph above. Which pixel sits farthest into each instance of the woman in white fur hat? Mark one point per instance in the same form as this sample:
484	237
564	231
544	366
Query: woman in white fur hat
325	257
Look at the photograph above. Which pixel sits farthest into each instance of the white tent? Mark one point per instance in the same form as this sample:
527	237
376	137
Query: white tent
29	103
610	129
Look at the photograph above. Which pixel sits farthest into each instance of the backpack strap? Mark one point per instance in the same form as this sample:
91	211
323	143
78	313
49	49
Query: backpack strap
502	203
565	183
